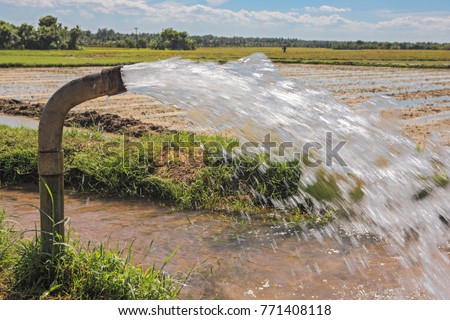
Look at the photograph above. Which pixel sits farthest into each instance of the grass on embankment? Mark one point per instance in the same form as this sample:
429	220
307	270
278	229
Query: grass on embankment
117	56
76	273
189	171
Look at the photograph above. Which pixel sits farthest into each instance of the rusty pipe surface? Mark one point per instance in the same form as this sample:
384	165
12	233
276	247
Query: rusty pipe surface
51	156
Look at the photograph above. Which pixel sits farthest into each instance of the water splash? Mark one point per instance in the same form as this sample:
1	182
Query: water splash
248	99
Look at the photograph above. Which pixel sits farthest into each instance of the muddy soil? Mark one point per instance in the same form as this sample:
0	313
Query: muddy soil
422	94
419	112
16	107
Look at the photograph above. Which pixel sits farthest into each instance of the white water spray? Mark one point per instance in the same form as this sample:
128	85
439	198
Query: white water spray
248	99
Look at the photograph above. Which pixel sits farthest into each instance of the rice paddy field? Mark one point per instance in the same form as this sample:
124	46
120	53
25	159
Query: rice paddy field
114	56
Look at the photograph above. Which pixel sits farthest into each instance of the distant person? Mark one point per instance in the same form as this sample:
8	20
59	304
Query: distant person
284	49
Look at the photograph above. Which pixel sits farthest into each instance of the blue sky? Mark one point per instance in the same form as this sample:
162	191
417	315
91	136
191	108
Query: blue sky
381	20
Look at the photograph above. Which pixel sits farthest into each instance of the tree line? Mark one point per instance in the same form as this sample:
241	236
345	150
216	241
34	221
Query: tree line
215	41
110	38
50	34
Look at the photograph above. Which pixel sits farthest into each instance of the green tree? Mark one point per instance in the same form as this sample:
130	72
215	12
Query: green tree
49	33
28	36
8	36
142	43
74	34
173	40
48	21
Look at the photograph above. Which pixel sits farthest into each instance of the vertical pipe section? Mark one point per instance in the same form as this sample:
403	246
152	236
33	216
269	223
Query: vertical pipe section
51	155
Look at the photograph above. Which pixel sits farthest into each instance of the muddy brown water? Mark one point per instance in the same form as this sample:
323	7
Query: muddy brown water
227	258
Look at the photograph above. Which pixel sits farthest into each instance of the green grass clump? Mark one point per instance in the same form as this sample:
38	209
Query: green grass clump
7	240
84	273
78	272
356	194
299	220
243	179
441	179
325	188
18	161
5	249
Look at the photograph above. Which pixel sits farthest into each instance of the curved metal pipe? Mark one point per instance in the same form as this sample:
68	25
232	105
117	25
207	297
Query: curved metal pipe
51	156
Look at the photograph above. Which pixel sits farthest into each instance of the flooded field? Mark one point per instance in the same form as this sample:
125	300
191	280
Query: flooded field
229	258
418	93
38	84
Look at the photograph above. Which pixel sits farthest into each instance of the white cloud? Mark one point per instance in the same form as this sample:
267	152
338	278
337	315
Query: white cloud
216	2
326	8
31	3
104	5
169	11
419	23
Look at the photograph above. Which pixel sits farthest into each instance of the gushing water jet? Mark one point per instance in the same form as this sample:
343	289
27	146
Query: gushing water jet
375	186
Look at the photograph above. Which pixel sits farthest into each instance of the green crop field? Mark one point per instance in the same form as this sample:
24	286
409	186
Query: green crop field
115	56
